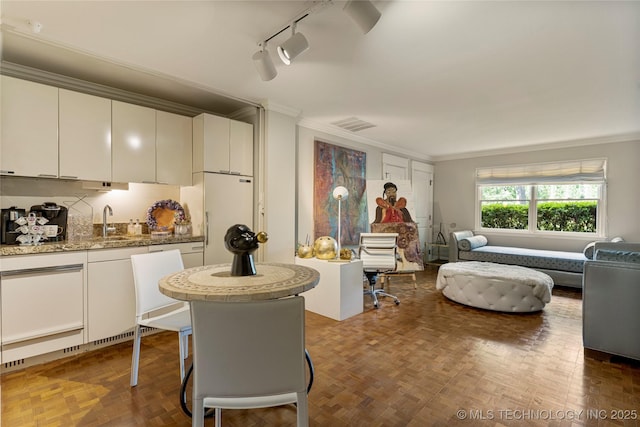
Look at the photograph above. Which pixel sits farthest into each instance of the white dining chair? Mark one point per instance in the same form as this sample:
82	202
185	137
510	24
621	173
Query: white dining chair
248	355
154	309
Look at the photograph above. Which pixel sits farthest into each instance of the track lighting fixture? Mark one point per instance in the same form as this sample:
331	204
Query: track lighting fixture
294	46
264	64
363	13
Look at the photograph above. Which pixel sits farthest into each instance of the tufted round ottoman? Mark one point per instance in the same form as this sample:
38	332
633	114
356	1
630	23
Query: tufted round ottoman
498	287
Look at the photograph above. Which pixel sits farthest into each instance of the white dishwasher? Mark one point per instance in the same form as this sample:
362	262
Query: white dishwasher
42	299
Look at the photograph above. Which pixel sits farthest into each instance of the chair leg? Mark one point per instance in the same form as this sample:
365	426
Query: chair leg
135	356
183	350
384	294
197	413
218	417
186	345
303	410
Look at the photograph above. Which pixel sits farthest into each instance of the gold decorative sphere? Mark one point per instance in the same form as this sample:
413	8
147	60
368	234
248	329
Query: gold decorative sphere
305	251
262	237
345	254
325	247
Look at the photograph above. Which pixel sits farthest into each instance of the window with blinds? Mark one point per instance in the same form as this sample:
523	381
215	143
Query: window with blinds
562	197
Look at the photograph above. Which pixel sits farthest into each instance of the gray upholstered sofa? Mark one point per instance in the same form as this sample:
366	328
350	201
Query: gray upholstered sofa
565	268
611	300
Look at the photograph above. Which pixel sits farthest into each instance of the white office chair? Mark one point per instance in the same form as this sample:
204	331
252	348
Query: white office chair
154	309
378	252
248	355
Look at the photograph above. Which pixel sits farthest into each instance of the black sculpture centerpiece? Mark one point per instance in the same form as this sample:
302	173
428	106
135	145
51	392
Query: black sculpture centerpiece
242	242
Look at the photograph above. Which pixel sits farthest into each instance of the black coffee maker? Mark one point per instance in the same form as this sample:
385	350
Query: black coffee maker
8	225
57	215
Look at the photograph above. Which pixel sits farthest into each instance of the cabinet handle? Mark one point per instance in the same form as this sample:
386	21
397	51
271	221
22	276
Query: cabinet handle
224	171
8	172
40	334
68	177
47	175
206	228
197	247
234	172
42	270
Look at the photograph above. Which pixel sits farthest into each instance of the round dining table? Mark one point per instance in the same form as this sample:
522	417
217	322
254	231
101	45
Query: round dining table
215	283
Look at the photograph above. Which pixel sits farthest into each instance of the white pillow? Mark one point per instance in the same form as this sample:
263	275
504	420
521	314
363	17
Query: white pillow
469	243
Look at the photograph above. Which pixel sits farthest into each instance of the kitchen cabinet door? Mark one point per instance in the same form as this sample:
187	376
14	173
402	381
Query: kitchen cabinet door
85	136
111	299
222	145
173	148
29	135
240	148
133	143
210	144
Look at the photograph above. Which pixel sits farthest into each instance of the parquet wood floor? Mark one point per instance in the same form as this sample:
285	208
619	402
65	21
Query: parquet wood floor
416	364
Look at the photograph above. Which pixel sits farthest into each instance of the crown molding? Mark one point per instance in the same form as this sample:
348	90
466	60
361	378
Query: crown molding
609	139
339	132
280	108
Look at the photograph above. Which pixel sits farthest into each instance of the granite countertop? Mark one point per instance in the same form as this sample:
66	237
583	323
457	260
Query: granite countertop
110	242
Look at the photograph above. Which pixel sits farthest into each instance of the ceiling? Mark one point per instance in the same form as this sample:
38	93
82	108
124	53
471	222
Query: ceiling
438	79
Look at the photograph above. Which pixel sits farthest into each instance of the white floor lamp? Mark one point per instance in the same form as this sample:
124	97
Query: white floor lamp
340	193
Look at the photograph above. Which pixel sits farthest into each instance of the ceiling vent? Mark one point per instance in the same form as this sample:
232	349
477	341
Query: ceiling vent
353	124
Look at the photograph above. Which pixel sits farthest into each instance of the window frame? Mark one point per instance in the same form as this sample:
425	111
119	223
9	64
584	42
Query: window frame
532	228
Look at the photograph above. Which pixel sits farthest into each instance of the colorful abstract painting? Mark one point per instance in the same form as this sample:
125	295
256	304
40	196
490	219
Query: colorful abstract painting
335	166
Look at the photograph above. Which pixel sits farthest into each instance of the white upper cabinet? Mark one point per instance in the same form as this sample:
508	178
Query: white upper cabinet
29	135
240	148
85	136
173	148
133	148
222	145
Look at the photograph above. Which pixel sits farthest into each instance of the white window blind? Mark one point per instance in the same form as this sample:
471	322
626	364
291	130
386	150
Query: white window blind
590	170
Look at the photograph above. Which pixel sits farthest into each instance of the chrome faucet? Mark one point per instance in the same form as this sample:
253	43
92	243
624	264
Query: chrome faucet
106	229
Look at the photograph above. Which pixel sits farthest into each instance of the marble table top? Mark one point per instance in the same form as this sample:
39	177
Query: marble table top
214	283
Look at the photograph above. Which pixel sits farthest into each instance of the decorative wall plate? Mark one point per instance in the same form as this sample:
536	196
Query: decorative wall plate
162	215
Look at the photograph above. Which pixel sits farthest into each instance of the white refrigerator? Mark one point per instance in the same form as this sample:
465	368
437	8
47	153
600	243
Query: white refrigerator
216	202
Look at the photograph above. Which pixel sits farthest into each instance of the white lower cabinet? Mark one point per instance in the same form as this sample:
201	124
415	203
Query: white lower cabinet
42	299
111	302
111	299
51	302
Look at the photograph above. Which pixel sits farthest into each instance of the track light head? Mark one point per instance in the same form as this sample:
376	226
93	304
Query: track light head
294	46
264	64
363	13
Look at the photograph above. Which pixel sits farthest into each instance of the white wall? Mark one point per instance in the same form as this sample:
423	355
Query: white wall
305	172
454	192
277	191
